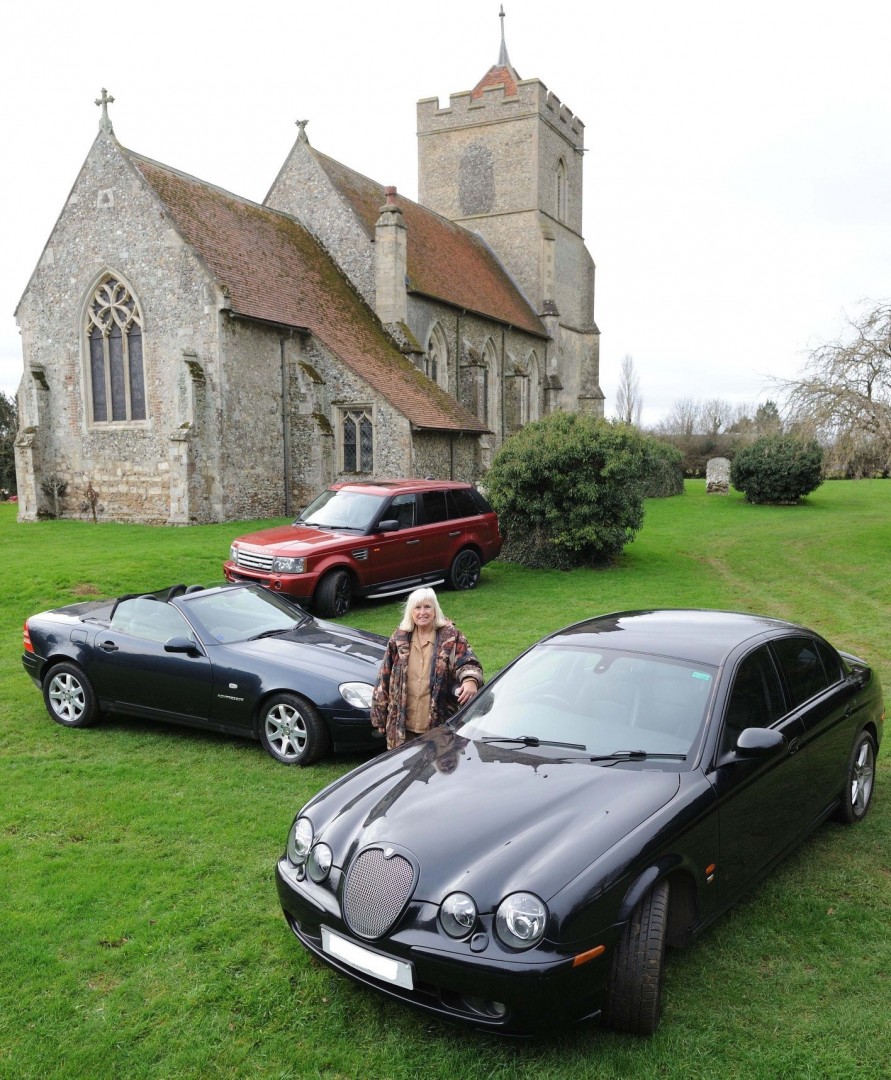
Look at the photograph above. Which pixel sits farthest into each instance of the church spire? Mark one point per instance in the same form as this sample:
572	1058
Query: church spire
500	74
503	58
104	121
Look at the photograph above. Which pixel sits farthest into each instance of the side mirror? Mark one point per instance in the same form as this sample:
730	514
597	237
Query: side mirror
390	525
759	742
860	675
182	645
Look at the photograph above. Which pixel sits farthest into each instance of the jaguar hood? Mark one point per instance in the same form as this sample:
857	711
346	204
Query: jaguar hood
488	818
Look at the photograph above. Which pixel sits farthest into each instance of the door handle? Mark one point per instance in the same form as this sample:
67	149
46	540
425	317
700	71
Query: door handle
408	543
108	646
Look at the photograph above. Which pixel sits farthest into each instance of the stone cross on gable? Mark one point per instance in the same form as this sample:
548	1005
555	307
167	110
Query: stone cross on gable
105	101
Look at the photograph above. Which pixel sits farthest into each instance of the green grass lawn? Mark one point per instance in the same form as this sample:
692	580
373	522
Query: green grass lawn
141	935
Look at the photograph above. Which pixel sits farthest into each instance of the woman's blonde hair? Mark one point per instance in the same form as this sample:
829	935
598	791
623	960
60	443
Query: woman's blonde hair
418	597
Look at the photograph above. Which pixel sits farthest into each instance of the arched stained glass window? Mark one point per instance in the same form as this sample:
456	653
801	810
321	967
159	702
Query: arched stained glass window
114	336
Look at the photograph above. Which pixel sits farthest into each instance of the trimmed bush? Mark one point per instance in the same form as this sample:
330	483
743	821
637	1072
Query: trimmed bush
778	469
569	490
667	475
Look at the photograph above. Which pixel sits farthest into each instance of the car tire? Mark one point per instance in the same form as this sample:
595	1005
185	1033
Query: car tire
634	994
292	731
859	780
69	696
334	594
464	572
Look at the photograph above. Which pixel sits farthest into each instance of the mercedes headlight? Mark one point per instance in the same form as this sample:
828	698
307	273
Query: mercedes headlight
358	694
520	920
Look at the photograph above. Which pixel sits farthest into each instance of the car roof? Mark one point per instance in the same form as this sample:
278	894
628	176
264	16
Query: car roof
698	634
393	487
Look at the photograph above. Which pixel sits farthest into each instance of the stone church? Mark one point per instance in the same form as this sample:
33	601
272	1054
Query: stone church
192	356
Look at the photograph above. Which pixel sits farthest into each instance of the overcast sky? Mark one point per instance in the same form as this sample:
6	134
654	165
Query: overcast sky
737	179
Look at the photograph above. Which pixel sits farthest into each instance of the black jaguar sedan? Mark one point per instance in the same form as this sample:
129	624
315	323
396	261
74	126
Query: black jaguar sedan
237	659
610	793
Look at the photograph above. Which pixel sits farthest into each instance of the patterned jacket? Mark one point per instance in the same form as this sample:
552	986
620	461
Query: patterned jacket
453	661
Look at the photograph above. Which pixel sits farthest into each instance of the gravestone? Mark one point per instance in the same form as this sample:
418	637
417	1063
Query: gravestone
717	476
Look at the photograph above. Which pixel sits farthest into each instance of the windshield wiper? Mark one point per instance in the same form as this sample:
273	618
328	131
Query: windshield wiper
273	633
531	740
636	755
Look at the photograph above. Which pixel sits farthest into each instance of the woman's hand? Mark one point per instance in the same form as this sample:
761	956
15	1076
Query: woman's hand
466	691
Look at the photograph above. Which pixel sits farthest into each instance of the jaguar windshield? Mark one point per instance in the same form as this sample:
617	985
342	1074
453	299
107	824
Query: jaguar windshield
596	701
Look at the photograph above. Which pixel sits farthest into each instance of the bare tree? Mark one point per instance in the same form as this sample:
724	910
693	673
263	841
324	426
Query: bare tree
682	419
628	400
843	394
715	415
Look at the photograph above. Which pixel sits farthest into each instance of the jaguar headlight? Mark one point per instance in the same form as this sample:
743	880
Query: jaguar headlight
358	694
318	865
281	565
458	914
300	841
520	920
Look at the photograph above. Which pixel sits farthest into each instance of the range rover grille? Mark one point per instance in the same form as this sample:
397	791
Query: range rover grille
376	892
253	560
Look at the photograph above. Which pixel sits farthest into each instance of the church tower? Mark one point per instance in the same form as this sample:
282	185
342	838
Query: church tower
506	160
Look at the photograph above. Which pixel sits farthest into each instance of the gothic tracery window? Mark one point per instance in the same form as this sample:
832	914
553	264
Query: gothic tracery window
357	439
114	336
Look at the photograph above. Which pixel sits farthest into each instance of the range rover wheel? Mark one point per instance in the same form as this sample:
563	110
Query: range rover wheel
465	570
334	594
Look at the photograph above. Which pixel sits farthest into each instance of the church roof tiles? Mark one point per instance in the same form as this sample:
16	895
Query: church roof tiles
275	271
445	261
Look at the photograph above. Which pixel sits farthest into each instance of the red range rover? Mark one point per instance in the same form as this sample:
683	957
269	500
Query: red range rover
372	538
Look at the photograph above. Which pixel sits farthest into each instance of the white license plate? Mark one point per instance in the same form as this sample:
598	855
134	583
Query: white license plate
381	967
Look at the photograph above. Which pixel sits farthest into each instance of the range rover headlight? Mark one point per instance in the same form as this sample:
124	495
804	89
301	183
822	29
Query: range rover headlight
520	920
458	914
300	841
281	565
233	554
318	865
358	694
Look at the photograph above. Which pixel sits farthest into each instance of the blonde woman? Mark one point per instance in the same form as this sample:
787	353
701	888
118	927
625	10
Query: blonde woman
429	671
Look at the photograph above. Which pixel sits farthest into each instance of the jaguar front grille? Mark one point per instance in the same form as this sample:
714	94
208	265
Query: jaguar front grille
378	886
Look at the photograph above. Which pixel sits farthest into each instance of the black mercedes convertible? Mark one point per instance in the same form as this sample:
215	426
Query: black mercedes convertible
237	659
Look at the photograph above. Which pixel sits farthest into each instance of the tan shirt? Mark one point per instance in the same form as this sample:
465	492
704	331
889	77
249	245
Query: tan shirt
420	657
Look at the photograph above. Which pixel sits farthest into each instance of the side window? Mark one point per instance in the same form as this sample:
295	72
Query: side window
756	699
149	619
434	507
832	664
461	503
403	510
801	666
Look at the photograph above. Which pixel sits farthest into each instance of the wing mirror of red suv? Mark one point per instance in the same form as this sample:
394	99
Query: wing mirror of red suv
390	525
